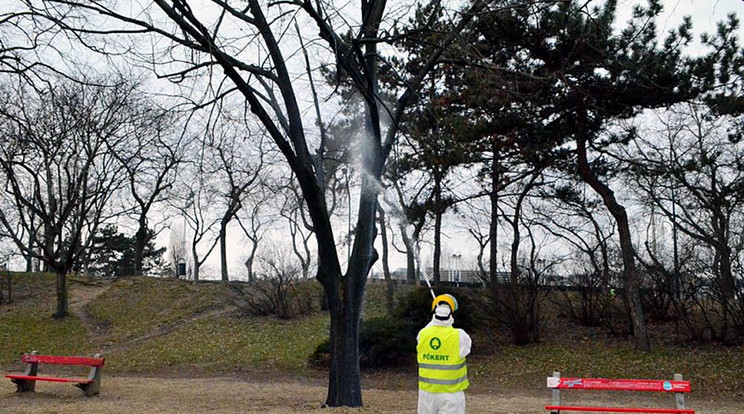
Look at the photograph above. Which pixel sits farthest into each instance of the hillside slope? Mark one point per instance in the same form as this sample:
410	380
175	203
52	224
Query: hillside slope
146	325
166	327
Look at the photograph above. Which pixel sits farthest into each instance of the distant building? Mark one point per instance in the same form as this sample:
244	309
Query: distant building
451	276
470	276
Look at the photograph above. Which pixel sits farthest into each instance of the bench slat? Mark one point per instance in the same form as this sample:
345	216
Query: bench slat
51	379
621	409
619	384
62	360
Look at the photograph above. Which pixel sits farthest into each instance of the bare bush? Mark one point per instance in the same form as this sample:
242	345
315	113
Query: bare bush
516	305
583	297
276	290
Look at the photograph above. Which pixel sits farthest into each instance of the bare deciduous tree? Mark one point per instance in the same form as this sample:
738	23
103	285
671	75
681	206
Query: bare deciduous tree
193	200
255	223
257	64
577	220
236	174
691	172
300	232
150	160
471	214
58	168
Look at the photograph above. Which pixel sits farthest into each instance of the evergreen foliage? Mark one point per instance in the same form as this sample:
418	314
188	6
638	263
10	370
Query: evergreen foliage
113	253
539	85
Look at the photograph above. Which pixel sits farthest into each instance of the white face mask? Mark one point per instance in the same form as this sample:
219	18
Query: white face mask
442	311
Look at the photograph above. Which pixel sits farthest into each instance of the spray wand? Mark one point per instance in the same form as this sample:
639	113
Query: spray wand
426	276
396	206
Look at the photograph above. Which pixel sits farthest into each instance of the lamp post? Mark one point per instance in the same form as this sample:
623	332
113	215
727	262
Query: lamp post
455	275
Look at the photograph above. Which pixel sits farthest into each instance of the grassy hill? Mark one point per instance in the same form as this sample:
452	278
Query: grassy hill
147	326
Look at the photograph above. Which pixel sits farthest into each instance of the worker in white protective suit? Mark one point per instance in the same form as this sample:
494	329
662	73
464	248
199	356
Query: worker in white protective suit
443	375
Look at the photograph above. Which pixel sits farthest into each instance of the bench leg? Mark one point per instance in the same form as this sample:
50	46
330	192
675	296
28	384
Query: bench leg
556	394
32	370
24	385
94	388
91	389
679	397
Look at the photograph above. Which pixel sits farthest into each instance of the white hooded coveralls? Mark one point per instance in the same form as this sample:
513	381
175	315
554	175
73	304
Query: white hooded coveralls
445	403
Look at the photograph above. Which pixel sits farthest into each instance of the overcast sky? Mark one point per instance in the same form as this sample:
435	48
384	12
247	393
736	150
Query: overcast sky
705	13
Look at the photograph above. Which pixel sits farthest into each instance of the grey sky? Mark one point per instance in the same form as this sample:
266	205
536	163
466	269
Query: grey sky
705	13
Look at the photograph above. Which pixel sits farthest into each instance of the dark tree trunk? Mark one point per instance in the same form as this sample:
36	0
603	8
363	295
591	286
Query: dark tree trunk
514	257
30	247
481	267
437	262
494	223
62	301
514	253
345	380
727	287
249	262
411	243
195	260
618	212
520	300
345	303
344	386
726	281
223	251
411	270
140	241
516	294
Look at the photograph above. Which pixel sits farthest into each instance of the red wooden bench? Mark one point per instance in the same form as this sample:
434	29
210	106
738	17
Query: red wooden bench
90	385
676	386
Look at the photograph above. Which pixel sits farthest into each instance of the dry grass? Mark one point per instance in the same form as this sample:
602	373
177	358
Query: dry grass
128	395
172	329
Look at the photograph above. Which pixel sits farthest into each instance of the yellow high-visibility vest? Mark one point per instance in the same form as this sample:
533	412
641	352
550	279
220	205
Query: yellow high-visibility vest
441	369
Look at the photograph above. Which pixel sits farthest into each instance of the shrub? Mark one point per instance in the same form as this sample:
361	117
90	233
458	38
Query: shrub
278	290
383	342
470	316
391	340
386	342
283	298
